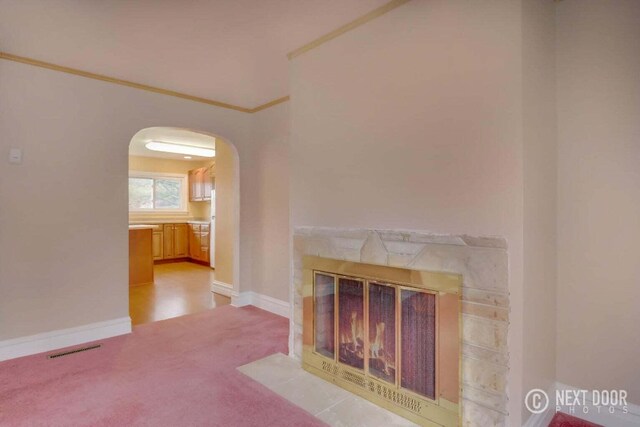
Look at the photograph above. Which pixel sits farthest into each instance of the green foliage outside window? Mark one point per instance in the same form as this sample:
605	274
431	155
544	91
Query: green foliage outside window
155	193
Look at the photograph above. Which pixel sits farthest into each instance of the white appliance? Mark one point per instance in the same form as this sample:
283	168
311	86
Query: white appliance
212	231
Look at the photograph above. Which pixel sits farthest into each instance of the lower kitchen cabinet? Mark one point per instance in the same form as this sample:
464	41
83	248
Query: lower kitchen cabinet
157	245
194	241
181	236
175	241
204	243
199	242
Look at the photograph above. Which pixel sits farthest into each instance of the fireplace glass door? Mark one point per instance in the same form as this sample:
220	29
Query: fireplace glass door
390	335
418	338
399	329
382	332
324	321
351	322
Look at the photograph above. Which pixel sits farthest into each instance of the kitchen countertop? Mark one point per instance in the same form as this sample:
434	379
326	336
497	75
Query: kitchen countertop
168	221
141	226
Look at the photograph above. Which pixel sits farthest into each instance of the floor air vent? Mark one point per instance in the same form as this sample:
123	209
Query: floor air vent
77	350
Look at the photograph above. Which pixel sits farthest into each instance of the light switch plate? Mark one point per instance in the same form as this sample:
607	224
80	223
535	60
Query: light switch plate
15	156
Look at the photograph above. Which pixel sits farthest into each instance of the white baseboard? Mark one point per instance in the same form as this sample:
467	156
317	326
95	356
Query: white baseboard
544	418
242	299
223	288
273	305
621	417
53	340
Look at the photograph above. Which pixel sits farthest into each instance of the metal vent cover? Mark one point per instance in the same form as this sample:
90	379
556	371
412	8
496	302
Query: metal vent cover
77	350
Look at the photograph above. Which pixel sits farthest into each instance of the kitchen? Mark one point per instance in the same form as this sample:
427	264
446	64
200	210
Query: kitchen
172	222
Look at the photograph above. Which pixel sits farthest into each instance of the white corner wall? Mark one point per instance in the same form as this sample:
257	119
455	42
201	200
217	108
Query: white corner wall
227	210
271	236
414	121
540	208
598	80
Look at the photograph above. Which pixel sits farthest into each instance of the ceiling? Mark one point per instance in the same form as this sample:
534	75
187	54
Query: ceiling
171	135
232	51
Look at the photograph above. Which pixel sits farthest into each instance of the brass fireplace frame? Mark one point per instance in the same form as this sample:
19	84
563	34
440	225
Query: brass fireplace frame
445	409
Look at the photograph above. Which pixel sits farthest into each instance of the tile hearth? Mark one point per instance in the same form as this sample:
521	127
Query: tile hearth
333	405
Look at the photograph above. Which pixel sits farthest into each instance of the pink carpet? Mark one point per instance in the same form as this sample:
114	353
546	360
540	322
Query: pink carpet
563	420
177	372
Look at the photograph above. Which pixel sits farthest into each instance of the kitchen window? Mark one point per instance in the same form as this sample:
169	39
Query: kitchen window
154	192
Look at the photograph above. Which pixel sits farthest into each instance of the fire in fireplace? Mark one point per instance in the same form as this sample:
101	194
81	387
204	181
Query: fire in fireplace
388	334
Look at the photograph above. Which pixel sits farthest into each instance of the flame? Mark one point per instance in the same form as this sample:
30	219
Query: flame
354	328
377	347
353	337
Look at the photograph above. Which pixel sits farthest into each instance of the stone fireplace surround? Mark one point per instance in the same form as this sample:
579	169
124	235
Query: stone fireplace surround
482	262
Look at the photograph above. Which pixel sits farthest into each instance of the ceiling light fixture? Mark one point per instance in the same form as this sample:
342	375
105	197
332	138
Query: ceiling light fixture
180	149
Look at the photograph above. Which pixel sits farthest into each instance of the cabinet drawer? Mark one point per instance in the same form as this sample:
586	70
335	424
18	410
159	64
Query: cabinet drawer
204	228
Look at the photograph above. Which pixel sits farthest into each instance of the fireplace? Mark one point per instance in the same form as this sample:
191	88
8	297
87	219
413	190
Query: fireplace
391	335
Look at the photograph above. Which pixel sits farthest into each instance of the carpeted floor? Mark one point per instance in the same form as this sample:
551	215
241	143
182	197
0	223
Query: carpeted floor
563	420
177	372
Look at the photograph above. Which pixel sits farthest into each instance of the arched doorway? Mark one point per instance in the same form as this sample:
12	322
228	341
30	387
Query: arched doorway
183	221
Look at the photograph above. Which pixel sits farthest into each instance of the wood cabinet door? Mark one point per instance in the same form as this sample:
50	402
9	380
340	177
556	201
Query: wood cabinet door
194	241
204	254
192	185
157	245
207	185
199	184
181	240
196	189
204	246
168	242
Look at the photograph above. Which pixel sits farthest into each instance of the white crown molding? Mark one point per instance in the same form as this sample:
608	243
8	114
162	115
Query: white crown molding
53	340
385	8
148	88
347	27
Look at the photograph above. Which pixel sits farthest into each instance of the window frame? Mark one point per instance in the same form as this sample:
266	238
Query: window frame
184	190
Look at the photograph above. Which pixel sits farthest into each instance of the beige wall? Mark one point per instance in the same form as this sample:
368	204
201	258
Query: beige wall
414	121
539	163
226	223
271	130
64	210
599	194
196	210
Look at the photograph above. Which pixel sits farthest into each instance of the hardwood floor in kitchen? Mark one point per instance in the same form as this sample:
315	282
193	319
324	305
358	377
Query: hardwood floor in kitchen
180	288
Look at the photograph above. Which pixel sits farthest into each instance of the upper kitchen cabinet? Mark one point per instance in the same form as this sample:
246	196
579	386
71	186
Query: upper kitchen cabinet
200	184
207	183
